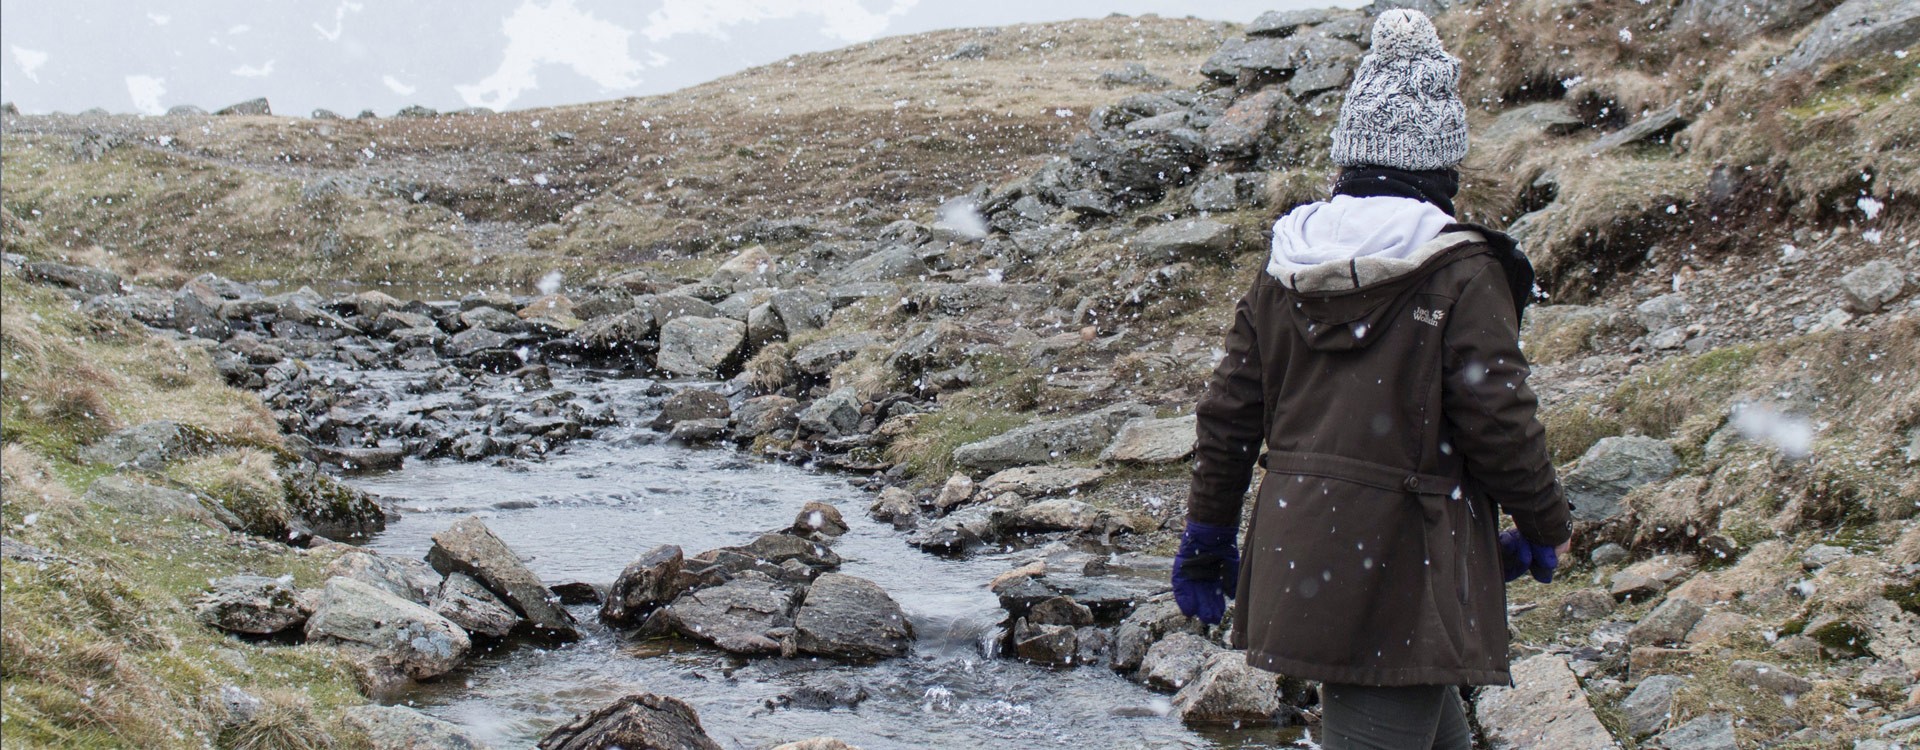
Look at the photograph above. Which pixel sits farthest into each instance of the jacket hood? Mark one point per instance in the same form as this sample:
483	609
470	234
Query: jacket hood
1326	237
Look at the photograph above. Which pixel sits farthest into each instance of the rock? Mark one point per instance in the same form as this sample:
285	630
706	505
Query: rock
1060	610
149	446
576	592
492	319
1033	569
895	506
833	415
816	743
1241	130
888	264
1141	169
1228	691
823	695
1771	678
1548	118
470	547
955	533
644	585
1668	623
956	492
403	638
626	332
86	281
467	603
412	580
1326	63
241	706
1643	660
701	347
1608	554
1544	708
1040	481
257	107
1710	732
636	722
779	547
1586	604
1132	74
1646	579
851	618
1821	555
1560	332
691	403
818	518
1175	661
1654	126
332	508
1717	626
139	498
667	308
476	341
1193	239
185	110
1044	644
1066	514
1045	441
1280	23
697	431
1873	285
1741	18
763	415
802	309
1856	29
1611	468
1251	56
1650	705
254	605
1663	312
1229	192
402	728
1152	620
820	357
750	614
1153	441
358	460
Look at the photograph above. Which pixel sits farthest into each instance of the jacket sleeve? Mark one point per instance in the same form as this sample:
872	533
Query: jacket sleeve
1230	425
1493	412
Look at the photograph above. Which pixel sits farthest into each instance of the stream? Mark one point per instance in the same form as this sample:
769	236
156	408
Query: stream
583	513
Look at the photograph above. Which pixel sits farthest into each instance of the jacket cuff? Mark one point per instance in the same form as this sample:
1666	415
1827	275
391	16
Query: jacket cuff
1548	521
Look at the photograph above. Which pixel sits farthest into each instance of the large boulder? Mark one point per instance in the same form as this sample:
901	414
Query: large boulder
762	415
1610	469
256	107
1856	29
820	357
1153	441
851	618
254	605
139	498
470	547
646	584
1228	691
701	347
622	333
833	415
402	728
1045	442
1065	514
83	280
470	605
406	578
1040	481
403	639
801	309
1871	286
751	614
1173	663
149	446
691	404
636	722
1545	708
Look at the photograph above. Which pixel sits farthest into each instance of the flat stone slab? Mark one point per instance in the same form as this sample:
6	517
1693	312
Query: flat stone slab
470	547
1153	441
1545	708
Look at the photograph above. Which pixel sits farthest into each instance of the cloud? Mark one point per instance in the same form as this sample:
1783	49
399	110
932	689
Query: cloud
251	71
339	21
29	61
555	33
146	92
398	86
847	20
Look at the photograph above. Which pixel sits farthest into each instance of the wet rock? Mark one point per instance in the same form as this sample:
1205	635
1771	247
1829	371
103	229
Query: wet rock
330	507
1611	468
1045	441
1280	23
467	603
750	614
1139	170
476	341
576	592
384	458
1060	610
1710	732
823	695
1173	663
1193	239
954	534
818	518
1228	691
700	347
1854	30
402	728
779	547
648	582
1651	704
1044	644
895	506
470	547
256	107
1647	579
691	403
473	447
139	498
86	281
1766	677
1156	618
624	332
1654	126
1668	623
1153	441
149	446
833	415
1871	286
491	319
408	579
255	605
551	307
403	638
1040	481
636	722
851	618
666	308
1544	708
817	743
763	415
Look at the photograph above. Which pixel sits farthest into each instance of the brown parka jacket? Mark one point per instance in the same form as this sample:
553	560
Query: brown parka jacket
1391	396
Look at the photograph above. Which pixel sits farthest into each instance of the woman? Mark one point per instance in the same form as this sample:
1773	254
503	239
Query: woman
1378	359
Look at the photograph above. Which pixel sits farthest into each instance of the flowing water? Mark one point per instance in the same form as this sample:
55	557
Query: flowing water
582	514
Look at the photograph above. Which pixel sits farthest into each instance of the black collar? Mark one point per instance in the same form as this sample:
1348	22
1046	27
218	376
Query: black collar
1435	186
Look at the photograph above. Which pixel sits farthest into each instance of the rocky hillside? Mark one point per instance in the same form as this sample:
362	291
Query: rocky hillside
990	269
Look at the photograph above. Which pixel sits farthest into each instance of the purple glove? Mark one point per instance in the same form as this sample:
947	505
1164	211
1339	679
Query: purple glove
1206	571
1517	556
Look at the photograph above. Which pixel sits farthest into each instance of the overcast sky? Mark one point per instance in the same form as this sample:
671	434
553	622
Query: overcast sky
133	56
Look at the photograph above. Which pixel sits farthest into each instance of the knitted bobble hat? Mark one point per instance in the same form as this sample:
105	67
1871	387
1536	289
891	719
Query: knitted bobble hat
1403	110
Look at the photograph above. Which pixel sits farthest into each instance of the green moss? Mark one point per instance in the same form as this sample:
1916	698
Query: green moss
927	450
1842	638
1907	595
334	509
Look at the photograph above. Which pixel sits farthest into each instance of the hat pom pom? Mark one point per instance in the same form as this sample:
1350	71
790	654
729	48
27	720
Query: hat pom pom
1405	33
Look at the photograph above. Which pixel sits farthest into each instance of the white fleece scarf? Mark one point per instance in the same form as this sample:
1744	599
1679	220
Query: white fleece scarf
1350	241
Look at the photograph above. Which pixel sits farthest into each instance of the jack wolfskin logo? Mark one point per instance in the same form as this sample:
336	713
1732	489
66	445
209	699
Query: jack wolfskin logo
1429	317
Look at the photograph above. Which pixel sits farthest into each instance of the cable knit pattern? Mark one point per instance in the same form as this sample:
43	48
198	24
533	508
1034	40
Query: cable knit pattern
1404	108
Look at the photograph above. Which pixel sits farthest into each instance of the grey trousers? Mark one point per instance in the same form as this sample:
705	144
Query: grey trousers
1422	717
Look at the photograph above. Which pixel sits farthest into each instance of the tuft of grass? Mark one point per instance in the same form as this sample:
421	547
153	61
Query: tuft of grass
285	720
927	450
244	481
